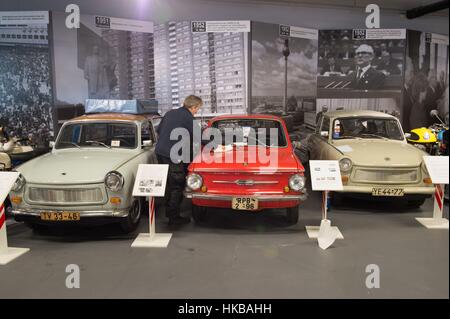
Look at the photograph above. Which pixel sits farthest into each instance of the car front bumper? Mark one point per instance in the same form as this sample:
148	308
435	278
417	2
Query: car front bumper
265	200
23	214
408	190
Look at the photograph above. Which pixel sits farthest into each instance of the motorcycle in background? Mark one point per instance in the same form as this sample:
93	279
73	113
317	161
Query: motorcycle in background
441	130
429	139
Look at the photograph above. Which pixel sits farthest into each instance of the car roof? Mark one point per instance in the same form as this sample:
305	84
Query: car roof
246	116
110	117
357	113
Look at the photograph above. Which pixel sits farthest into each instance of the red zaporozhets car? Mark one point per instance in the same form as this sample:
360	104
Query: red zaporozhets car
249	181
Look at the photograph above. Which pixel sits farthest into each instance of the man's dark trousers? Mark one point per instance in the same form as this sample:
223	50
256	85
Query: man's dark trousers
176	181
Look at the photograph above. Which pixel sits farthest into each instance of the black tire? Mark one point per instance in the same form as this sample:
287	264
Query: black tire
292	215
415	203
337	199
131	222
7	205
38	228
199	213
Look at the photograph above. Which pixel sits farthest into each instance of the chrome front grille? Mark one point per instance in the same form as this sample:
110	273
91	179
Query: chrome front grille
386	175
64	196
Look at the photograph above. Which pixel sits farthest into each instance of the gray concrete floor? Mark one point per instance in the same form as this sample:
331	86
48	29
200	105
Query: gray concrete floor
240	255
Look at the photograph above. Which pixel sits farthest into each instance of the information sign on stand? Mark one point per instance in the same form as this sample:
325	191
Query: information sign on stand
151	182
325	177
437	167
7	254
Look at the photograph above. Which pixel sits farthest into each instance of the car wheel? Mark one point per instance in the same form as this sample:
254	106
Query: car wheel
38	228
131	222
199	213
7	205
292	215
336	199
415	203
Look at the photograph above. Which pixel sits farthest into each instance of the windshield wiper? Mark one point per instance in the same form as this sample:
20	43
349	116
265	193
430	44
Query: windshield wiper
347	136
71	143
374	135
99	143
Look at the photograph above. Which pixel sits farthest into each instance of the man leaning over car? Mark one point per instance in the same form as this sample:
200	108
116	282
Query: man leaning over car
181	118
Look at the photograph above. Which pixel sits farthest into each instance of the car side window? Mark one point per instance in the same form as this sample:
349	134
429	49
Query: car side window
147	132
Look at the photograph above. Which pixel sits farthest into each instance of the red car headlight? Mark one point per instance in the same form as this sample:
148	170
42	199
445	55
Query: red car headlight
297	182
194	181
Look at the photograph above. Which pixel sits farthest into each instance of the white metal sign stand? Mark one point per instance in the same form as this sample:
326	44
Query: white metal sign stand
325	177
7	254
437	166
151	182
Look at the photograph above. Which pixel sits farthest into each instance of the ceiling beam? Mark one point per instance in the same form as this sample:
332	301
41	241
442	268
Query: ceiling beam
430	8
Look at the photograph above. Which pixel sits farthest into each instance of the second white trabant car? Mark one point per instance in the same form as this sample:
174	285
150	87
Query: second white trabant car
374	157
89	174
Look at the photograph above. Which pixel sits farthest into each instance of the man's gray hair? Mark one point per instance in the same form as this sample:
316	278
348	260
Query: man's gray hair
191	101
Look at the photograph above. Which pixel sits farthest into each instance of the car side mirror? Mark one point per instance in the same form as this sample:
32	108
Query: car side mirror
51	144
324	133
407	135
147	143
293	137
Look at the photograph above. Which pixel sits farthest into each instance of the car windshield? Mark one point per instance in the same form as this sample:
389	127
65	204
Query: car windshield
260	132
369	127
106	135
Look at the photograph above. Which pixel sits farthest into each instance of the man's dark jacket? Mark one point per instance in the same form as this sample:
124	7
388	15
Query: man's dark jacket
178	118
371	80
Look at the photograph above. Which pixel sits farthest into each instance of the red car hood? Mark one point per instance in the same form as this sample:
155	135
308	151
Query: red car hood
247	159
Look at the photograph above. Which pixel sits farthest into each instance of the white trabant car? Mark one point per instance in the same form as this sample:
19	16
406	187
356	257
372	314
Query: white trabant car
88	176
374	157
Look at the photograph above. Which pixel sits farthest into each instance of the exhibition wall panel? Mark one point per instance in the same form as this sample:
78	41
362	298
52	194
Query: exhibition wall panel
106	58
407	77
26	94
205	58
361	69
284	69
426	79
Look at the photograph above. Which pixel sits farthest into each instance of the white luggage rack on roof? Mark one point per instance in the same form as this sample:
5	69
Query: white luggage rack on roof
149	107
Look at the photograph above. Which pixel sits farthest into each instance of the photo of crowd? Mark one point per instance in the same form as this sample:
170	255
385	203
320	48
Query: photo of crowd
25	93
365	65
426	81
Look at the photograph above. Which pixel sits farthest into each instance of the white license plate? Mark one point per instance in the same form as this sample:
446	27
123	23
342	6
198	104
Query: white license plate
244	203
382	191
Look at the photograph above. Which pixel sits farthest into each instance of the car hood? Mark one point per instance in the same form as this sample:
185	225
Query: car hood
73	166
380	153
281	159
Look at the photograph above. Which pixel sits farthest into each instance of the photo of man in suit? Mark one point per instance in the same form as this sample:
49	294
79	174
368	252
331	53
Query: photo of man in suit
365	76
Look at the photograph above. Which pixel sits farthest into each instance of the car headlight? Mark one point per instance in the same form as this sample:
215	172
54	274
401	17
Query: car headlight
194	181
114	181
297	182
345	165
19	184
